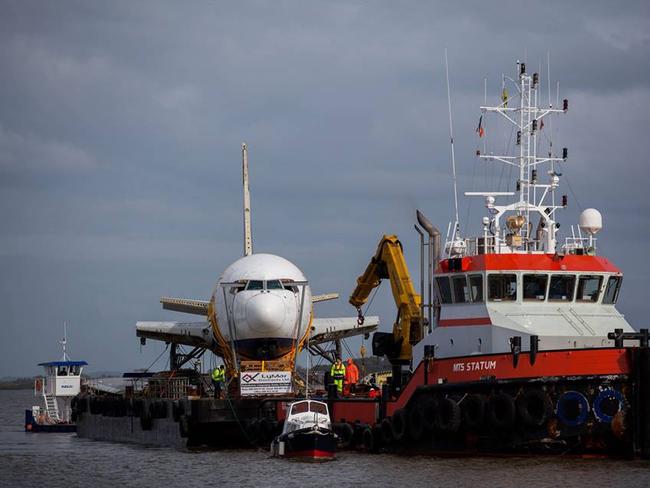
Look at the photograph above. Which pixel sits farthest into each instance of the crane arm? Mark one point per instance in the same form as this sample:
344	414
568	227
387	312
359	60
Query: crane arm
388	262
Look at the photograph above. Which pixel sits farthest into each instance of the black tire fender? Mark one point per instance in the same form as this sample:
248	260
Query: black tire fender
345	432
368	440
448	415
534	407
501	411
386	427
473	411
415	422
399	425
184	426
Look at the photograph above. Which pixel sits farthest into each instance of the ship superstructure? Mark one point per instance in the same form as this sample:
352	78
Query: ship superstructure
516	278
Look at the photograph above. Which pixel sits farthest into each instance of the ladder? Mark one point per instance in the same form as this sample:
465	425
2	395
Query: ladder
51	407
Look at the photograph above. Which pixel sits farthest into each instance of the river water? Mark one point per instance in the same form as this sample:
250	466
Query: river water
64	460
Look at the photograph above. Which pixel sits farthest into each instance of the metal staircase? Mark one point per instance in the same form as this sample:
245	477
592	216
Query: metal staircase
52	407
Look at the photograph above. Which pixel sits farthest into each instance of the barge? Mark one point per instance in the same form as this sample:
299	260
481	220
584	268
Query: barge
515	346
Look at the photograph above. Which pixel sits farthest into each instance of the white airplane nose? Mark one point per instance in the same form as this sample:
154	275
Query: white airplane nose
266	313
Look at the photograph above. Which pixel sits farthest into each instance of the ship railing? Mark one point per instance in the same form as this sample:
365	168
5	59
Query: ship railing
167	388
579	245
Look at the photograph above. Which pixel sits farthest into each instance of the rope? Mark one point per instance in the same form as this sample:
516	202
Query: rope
374	293
566	177
156	360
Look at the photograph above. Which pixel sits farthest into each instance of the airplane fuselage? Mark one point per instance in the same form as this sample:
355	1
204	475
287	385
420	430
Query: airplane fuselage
259	299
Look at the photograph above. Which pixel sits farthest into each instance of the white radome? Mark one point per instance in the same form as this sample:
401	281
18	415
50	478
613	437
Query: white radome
591	221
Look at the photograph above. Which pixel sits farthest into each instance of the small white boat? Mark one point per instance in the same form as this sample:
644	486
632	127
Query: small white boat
307	433
57	388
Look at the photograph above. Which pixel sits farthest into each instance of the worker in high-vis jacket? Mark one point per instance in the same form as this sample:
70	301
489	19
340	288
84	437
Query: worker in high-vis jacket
218	379
351	377
337	374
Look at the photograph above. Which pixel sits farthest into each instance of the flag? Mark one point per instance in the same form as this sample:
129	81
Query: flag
541	124
504	97
479	129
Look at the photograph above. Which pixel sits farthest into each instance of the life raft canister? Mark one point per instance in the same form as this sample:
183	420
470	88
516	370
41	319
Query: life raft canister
607	404
572	408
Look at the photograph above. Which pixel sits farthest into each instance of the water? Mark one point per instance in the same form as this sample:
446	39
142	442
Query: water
64	460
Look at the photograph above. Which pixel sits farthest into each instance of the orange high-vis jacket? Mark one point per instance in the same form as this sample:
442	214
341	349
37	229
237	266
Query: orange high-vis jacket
352	374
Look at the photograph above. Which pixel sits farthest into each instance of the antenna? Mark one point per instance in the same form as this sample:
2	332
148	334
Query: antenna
248	240
64	341
453	157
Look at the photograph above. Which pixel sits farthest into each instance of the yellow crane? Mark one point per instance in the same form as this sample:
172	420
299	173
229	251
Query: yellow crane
389	263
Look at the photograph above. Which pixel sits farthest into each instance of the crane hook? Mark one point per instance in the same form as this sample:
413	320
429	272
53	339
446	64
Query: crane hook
360	317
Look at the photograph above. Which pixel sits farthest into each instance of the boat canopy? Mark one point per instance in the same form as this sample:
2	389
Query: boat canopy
64	363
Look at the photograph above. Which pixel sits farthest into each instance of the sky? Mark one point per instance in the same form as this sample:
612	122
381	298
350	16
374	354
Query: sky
121	126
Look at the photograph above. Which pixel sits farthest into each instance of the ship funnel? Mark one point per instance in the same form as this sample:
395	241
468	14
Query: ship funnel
433	232
432	260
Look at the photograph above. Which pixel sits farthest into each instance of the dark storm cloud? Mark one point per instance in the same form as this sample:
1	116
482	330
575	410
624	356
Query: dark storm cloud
121	124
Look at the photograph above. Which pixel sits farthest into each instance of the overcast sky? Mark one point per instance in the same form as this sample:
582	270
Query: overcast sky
121	124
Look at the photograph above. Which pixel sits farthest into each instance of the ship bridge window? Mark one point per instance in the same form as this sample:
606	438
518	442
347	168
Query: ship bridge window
63	371
476	287
561	288
502	287
611	291
255	285
461	290
535	286
589	288
444	289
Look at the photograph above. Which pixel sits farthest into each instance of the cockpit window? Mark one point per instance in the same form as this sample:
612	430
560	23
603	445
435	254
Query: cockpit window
255	285
561	288
274	285
589	288
535	286
502	287
444	289
611	291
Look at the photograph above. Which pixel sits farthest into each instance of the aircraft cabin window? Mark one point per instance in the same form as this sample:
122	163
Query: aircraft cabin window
502	287
461	290
535	286
476	287
274	285
255	285
611	291
561	288
444	290
589	288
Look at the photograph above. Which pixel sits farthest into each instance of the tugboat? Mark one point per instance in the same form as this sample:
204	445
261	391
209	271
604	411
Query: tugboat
307	433
58	388
523	349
